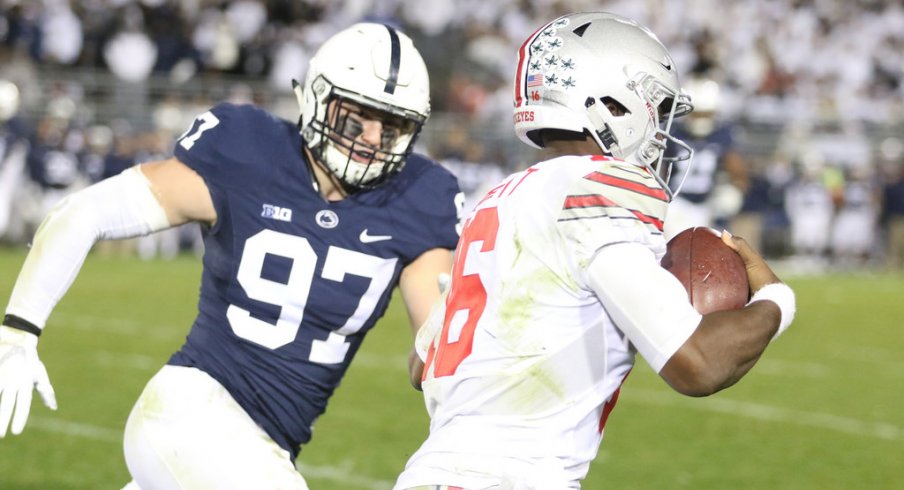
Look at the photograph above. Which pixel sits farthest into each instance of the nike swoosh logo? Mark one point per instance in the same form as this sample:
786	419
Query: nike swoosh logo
365	238
666	66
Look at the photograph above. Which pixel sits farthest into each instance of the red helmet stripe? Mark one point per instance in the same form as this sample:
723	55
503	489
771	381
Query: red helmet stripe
520	78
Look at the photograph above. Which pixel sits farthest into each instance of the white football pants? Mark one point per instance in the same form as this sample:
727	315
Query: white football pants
187	432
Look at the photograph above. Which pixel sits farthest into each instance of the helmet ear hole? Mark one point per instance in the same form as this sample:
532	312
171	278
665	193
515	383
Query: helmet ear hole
615	107
666	106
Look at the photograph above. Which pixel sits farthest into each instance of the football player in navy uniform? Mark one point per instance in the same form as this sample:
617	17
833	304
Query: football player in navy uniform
704	198
307	230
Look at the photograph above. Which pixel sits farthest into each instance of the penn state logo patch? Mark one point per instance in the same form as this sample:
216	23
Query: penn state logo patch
326	219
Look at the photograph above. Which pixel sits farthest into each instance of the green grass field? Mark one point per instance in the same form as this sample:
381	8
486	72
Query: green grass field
823	409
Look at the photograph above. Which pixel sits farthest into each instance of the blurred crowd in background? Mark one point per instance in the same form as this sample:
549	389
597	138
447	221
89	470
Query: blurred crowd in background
810	90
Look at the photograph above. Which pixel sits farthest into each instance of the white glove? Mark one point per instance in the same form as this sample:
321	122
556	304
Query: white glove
20	372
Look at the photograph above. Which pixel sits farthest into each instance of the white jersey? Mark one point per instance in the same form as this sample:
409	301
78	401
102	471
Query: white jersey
529	363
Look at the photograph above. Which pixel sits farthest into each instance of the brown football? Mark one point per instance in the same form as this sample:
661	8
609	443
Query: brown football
712	273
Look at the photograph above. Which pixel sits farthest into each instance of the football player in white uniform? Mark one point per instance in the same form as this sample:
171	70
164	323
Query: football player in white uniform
557	283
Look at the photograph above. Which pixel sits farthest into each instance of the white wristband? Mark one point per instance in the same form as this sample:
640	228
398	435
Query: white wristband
781	295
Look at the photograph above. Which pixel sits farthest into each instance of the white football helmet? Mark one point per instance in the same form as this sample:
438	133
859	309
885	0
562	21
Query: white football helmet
570	69
377	68
706	95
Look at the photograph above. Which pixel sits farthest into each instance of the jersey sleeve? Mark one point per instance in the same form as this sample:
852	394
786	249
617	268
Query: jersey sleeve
614	204
645	301
436	202
224	144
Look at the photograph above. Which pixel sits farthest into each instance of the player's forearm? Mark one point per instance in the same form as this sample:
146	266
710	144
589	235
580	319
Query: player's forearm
722	349
119	207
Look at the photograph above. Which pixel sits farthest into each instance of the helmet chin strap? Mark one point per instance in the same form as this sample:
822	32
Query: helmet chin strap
602	133
336	160
331	159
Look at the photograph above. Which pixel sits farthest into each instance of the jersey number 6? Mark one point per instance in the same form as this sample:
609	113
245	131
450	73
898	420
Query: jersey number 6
467	298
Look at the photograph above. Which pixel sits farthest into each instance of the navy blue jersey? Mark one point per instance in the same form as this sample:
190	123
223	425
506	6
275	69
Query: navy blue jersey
292	282
709	154
52	166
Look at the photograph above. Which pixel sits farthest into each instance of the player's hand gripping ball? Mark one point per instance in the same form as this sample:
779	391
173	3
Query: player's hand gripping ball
713	274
